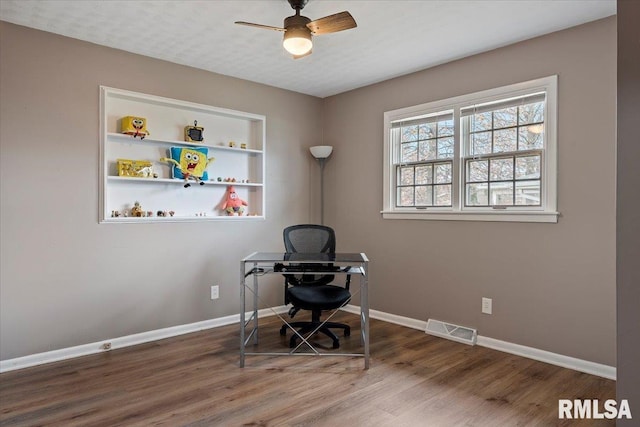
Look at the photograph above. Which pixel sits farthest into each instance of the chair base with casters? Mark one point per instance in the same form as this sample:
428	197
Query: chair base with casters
328	297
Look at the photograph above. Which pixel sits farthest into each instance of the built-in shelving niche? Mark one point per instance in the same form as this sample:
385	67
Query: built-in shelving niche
166	119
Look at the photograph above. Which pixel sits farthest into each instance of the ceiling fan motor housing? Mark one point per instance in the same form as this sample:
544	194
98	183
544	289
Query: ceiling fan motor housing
296	21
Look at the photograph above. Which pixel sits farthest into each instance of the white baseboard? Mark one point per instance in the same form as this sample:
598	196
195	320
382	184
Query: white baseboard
580	365
390	318
592	368
126	341
585	366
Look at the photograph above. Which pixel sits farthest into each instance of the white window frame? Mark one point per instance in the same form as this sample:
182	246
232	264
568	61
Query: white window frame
547	212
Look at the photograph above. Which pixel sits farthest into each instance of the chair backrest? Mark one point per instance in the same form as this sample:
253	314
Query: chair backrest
309	238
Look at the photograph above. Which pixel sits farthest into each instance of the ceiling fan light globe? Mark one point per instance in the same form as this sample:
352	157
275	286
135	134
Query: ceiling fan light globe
297	41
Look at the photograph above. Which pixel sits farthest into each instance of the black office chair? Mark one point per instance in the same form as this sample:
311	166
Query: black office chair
313	292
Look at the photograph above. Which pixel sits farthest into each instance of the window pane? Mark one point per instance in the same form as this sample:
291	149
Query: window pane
427	150
445	148
501	193
501	169
531	137
443	173
424	174
478	171
477	195
481	121
445	127
405	196
427	131
532	113
409	152
528	193
504	140
409	133
505	117
406	175
527	167
443	195
481	143
424	195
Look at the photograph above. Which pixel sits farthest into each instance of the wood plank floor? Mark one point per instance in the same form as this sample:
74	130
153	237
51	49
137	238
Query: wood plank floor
194	380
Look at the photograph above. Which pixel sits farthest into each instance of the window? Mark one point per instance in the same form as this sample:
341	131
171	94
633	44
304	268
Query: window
486	156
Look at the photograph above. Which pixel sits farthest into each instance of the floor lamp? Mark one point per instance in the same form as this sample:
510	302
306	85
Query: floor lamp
321	154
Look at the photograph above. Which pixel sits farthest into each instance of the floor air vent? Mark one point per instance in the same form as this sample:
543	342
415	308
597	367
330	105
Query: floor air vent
451	332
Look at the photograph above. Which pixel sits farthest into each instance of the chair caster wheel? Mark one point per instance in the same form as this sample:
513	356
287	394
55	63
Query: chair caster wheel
336	344
347	332
283	331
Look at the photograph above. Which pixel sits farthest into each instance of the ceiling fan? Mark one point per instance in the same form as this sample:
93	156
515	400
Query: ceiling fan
298	29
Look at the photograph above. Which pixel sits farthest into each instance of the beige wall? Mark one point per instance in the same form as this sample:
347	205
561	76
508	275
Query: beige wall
65	279
555	292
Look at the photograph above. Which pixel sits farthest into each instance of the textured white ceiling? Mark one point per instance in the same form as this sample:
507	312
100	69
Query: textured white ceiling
393	37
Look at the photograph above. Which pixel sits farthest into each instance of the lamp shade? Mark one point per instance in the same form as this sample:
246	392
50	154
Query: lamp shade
321	151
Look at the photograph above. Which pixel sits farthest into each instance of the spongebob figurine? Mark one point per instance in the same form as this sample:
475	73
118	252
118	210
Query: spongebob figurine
135	126
189	164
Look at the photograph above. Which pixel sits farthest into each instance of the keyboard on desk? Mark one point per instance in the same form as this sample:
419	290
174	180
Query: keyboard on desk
303	268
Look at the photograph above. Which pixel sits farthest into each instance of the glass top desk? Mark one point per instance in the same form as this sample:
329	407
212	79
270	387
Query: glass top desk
261	263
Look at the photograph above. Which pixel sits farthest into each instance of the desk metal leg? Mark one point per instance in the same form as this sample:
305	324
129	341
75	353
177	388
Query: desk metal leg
242	311
255	307
364	311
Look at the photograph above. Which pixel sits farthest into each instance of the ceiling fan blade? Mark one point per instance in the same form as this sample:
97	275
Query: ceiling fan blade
303	55
266	27
332	23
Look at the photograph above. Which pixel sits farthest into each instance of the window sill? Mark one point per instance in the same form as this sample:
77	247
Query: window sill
548	217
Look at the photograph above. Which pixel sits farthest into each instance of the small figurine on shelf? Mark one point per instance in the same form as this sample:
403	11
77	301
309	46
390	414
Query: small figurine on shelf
135	126
136	210
171	213
233	204
194	133
189	164
161	213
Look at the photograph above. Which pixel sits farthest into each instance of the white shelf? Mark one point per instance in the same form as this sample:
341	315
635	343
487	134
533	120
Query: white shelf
166	120
128	138
179	181
148	220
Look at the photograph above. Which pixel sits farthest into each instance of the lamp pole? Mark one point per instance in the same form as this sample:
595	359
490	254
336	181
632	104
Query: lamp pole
322	161
321	154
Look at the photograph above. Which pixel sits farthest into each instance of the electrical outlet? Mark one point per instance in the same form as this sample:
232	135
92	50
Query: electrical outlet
215	292
487	305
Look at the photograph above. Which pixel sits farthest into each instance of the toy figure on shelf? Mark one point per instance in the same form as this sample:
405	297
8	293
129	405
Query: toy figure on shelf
189	164
194	133
136	169
135	126
136	210
233	204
